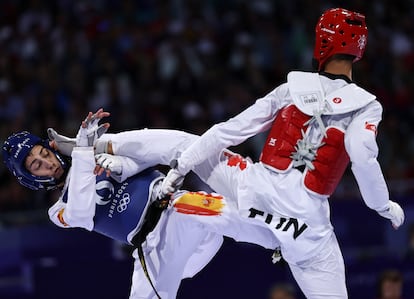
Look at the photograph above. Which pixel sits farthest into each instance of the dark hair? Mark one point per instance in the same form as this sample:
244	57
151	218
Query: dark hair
346	57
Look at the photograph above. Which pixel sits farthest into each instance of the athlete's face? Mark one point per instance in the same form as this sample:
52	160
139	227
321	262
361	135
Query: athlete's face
43	162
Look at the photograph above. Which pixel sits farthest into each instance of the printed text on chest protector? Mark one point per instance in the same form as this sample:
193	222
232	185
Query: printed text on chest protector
283	224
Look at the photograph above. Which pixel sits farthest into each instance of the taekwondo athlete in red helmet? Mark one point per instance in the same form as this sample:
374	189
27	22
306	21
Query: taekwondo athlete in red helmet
318	123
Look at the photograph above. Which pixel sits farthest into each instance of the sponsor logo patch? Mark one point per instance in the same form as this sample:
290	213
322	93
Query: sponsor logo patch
272	141
337	100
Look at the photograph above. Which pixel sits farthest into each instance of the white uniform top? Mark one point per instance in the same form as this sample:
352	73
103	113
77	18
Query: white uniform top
80	207
360	142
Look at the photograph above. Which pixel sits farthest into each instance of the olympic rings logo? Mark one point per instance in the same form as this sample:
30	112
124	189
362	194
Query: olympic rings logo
123	203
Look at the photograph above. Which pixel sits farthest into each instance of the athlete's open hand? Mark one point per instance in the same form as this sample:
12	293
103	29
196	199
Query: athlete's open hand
90	130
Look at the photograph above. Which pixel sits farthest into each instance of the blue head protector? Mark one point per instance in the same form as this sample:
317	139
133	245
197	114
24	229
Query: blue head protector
15	151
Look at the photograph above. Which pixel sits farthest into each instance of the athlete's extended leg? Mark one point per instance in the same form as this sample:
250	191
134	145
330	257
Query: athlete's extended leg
219	215
177	248
323	276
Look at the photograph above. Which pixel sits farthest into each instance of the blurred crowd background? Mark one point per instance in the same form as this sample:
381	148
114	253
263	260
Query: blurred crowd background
187	64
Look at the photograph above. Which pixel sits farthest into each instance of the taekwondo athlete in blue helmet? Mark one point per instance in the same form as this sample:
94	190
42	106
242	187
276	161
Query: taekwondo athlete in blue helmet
115	209
122	206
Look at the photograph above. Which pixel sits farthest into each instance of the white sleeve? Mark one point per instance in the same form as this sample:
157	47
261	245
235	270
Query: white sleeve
129	168
255	119
150	147
80	206
361	145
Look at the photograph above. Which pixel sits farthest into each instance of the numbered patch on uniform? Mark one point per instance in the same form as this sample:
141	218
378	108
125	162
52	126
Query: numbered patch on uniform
200	203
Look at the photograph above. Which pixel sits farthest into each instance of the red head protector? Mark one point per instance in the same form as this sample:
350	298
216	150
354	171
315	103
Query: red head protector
340	31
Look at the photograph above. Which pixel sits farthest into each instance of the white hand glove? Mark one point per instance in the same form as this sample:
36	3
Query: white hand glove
110	162
64	144
90	131
395	213
171	183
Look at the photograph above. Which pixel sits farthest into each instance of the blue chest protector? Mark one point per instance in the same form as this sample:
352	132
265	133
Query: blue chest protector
120	207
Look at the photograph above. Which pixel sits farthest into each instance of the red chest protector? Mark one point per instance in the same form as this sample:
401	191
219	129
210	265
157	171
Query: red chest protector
330	161
282	138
